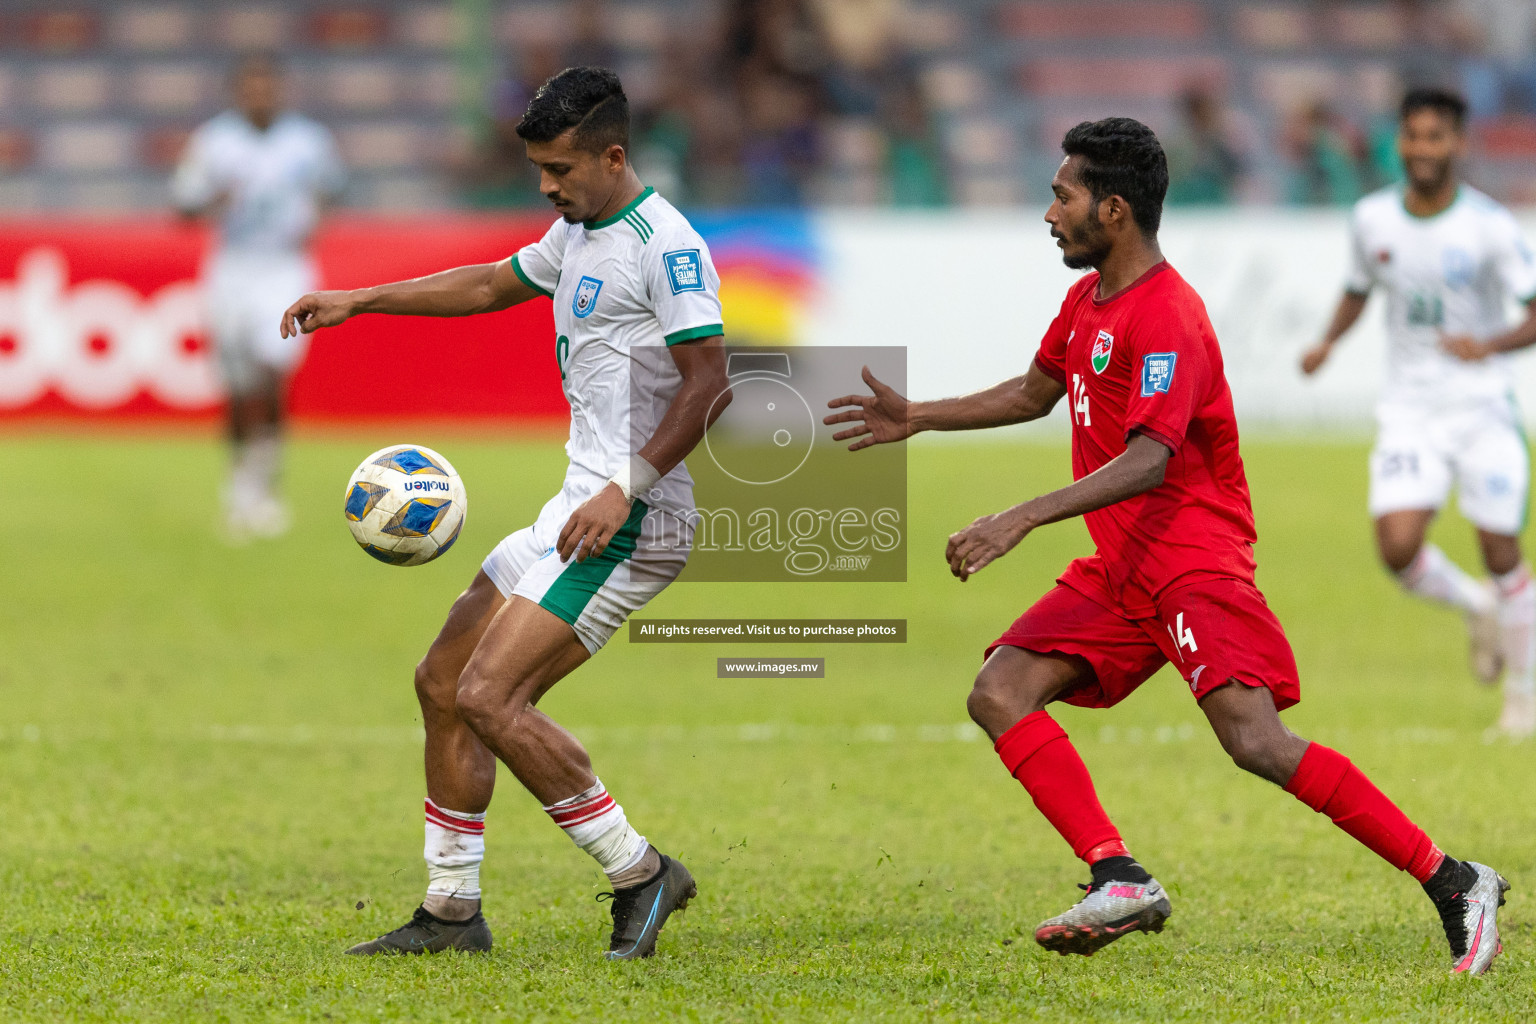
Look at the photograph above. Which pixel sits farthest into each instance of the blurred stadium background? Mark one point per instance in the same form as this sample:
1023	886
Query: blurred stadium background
211	756
773	102
832	152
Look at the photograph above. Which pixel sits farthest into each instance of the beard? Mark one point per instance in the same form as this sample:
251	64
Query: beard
1435	180
1092	251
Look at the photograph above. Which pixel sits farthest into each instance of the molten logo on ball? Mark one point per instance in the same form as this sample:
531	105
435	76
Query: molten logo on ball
388	513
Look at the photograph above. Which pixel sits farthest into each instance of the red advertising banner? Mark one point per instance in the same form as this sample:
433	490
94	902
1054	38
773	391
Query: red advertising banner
107	319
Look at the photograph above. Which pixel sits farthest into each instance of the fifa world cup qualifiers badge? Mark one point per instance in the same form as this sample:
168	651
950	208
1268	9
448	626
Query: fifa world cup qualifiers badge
1157	372
683	270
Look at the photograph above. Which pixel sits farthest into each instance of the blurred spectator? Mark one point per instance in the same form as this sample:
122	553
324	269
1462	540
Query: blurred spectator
1326	156
499	174
591	45
915	163
1497	39
1204	165
778	153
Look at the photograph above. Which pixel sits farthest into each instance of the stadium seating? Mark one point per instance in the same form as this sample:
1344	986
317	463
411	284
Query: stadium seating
96	97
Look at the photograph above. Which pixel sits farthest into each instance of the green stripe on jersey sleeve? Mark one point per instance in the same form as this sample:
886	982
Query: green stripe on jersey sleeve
695	333
641	225
518	270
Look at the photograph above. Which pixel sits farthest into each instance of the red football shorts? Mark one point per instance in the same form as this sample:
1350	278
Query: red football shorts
1213	630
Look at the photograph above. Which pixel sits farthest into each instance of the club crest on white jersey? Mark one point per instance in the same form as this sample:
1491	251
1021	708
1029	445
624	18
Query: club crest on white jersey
585	299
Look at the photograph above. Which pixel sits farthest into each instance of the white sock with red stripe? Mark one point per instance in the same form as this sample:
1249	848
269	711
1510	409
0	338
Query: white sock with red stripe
596	823
1433	575
455	848
1517	623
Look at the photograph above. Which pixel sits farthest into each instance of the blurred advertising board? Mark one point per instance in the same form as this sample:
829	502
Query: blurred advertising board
107	319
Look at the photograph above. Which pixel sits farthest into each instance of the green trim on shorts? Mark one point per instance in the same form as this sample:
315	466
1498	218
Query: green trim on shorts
574	588
518	270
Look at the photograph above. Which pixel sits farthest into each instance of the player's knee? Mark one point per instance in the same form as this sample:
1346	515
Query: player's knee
980	703
475	700
1260	753
994	703
1398	548
436	689
1398	555
483	702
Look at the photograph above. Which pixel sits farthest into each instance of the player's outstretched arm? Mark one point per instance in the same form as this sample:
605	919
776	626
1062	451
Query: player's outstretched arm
1350	306
885	416
462	291
703	396
1470	349
1134	471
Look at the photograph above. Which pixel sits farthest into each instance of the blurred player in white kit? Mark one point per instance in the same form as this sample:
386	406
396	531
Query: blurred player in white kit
1449	259
263	175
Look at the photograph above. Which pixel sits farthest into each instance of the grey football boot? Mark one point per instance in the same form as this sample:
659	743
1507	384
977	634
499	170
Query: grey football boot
639	911
427	933
1108	911
1471	919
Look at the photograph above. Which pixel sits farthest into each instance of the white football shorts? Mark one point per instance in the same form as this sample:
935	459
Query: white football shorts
597	595
1481	449
247	295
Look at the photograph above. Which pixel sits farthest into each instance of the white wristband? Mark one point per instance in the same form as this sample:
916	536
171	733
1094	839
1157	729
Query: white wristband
635	478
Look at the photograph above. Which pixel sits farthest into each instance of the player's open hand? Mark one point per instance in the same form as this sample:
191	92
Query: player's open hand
983	542
1465	347
593	525
879	418
1313	358
316	310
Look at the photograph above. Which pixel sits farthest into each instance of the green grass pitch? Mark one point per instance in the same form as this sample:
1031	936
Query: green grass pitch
212	777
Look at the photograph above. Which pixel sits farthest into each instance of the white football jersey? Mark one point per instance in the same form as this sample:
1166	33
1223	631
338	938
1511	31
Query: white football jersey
624	289
275	180
1449	274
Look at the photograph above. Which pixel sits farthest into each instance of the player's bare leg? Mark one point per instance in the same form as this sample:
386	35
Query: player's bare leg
1423	569
526	650
1008	701
1466	894
1517	626
461	777
460	770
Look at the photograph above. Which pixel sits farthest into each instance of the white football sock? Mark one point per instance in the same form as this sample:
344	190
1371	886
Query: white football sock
455	848
1434	576
1517	626
264	457
239	487
596	823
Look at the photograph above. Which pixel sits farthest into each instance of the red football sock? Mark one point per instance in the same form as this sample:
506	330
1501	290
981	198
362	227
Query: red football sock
1328	783
1036	751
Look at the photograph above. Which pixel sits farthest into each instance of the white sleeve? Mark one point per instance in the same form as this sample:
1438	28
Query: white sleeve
1361	276
194	184
1513	257
683	286
537	264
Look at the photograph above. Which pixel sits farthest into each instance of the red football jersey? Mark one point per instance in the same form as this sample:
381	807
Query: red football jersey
1146	360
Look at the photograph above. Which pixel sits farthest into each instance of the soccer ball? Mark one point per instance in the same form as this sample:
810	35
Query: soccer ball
405	504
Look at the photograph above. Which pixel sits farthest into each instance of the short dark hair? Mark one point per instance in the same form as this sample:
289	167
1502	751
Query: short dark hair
588	99
1122	157
1433	98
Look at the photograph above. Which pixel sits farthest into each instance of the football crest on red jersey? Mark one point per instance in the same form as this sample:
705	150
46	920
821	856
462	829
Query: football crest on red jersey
1103	345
